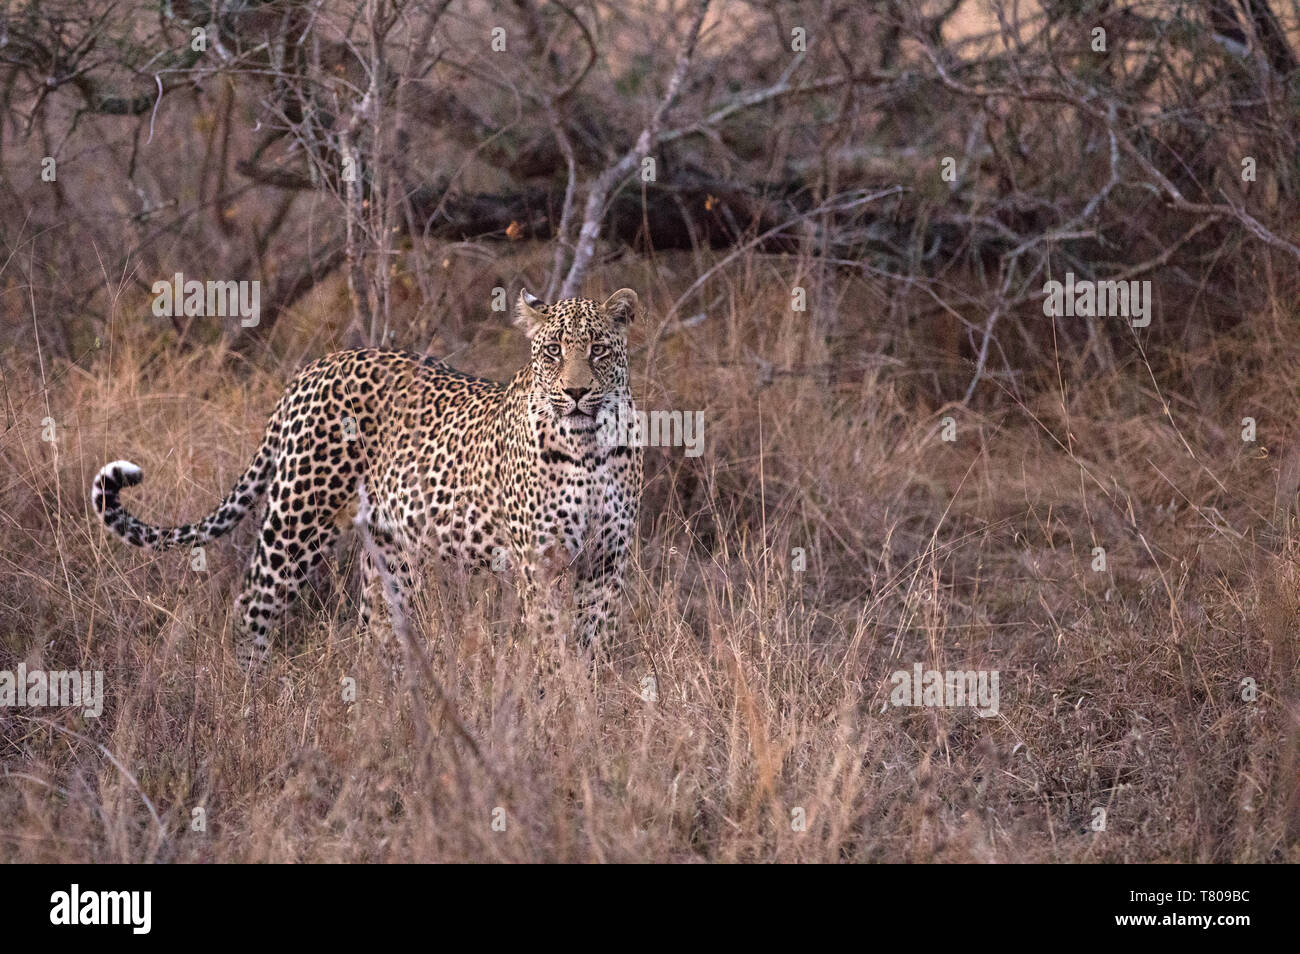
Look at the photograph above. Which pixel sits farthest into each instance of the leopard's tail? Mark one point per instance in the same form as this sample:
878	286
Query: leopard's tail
242	497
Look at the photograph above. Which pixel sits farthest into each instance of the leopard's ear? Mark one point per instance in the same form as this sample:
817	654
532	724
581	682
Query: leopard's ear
621	306
530	313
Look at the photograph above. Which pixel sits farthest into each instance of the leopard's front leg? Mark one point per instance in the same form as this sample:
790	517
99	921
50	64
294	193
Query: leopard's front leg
599	590
545	589
598	601
601	581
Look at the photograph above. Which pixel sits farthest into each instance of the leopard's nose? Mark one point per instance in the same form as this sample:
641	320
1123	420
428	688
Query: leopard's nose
577	393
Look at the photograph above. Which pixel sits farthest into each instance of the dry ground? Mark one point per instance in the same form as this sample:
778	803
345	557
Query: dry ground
1120	689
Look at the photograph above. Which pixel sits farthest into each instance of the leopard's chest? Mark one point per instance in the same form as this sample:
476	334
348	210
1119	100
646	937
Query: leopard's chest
580	496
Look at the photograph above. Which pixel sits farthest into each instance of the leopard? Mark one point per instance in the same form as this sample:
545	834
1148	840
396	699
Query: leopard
438	466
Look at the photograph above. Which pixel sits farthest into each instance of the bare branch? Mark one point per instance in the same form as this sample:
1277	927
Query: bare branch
593	212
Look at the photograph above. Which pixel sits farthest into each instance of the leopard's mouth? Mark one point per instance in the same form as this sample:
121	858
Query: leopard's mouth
574	411
579	421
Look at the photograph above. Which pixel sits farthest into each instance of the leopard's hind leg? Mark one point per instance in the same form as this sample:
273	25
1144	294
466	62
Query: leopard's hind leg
389	565
294	538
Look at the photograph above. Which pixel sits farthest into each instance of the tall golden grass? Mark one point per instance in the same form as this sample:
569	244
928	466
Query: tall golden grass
1121	689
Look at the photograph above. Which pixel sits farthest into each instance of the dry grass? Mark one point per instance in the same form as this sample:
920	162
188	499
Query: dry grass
1119	689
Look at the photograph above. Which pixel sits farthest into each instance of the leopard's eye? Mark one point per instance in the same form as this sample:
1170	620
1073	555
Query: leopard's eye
552	350
599	351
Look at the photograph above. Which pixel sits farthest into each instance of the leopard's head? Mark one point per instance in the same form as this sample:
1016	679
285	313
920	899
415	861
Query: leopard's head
579	359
